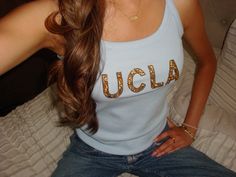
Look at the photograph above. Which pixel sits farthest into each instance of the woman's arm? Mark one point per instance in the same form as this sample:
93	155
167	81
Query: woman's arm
22	33
195	35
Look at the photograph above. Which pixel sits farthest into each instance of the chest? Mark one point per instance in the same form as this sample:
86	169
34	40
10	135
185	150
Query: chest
137	67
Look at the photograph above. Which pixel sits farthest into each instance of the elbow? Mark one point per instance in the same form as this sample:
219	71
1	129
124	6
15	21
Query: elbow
209	66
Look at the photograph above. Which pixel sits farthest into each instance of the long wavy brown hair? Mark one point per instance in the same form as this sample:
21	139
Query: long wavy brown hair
81	24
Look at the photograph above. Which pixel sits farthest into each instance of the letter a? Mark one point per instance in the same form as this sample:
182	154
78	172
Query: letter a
173	72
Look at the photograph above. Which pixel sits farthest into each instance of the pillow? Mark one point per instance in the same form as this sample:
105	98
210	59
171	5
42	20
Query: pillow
30	142
223	92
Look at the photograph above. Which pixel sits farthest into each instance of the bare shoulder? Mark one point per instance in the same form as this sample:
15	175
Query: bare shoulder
188	10
37	8
32	15
23	31
28	21
44	7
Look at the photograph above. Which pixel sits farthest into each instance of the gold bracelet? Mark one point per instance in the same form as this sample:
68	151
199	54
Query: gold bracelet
188	132
188	125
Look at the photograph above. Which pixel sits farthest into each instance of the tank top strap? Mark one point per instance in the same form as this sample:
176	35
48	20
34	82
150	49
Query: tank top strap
175	13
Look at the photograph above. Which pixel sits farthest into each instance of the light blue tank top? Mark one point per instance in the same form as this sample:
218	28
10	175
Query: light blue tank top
131	92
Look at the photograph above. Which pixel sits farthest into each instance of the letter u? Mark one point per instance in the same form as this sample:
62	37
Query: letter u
105	85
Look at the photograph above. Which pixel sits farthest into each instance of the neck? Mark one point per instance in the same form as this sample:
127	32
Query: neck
127	6
129	9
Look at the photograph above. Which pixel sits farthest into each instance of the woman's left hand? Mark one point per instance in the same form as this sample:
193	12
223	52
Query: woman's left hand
176	137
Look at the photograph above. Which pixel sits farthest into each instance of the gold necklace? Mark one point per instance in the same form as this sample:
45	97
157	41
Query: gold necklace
132	17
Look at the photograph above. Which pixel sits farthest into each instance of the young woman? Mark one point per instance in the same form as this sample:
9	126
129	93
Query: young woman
119	60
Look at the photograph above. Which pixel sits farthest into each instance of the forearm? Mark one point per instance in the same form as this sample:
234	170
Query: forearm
201	88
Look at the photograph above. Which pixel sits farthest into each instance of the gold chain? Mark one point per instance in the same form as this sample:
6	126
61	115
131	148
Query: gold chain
132	17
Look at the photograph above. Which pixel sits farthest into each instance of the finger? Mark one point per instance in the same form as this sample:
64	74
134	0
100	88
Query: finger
163	135
171	151
171	148
168	150
164	148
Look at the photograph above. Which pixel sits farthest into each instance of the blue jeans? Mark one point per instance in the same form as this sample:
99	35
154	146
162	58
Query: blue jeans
81	160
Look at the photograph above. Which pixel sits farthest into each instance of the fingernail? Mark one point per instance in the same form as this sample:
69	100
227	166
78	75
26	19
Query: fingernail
154	154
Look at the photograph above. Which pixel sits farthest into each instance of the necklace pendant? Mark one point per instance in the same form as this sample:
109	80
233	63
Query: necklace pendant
133	18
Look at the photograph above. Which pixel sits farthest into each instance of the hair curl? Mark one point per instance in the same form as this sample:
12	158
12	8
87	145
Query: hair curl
81	24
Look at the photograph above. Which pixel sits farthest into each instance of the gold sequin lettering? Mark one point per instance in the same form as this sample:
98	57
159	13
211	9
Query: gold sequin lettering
153	78
173	72
106	85
131	80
